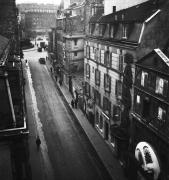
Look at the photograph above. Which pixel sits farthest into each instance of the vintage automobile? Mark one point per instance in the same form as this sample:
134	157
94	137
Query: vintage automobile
42	61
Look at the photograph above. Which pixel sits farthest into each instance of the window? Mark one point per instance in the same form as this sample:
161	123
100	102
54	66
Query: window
75	41
137	105
144	78
116	113
107	83
87	89
97	97
112	31
107	59
102	56
97	77
92	53
101	122
146	108
88	70
161	86
121	63
106	106
96	55
75	53
161	115
97	118
125	31
88	52
151	84
118	89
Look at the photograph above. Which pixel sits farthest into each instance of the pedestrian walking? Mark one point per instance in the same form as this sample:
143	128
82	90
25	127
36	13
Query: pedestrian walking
51	69
26	61
56	78
60	82
72	103
38	142
76	101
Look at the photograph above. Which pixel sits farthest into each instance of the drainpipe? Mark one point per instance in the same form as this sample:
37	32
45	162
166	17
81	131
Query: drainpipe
10	99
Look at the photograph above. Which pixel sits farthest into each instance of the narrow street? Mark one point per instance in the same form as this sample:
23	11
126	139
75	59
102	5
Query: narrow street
65	151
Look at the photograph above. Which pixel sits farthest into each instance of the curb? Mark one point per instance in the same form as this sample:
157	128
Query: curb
69	108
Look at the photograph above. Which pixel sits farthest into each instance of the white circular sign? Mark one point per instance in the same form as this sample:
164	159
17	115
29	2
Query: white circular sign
145	154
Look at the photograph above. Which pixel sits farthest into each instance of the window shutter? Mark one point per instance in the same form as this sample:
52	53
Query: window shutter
120	63
110	60
89	71
116	88
105	58
104	81
85	54
109	83
165	88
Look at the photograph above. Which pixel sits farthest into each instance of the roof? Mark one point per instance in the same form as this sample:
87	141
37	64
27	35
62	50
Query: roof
97	16
155	60
162	56
137	13
3	43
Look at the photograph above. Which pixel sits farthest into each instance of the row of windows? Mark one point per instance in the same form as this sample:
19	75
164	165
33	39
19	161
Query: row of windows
106	105
101	29
150	109
154	83
105	57
107	81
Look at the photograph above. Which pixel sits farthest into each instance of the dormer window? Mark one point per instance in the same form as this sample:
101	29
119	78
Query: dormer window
124	31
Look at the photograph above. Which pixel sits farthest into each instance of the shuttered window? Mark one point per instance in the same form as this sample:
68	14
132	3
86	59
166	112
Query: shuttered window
107	83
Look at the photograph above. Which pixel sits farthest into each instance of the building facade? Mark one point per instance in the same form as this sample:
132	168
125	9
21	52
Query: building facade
70	45
13	113
114	42
37	18
150	142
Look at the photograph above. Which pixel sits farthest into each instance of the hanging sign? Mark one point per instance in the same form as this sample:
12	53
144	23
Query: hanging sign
147	157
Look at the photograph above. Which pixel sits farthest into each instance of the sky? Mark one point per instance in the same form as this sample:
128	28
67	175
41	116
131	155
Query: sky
57	2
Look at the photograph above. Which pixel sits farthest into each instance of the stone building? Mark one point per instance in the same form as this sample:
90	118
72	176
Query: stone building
114	42
12	113
70	45
37	18
150	122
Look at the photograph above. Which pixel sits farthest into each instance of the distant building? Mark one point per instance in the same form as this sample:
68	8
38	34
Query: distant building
37	18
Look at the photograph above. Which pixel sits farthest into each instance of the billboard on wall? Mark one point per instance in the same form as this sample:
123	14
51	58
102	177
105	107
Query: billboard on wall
148	159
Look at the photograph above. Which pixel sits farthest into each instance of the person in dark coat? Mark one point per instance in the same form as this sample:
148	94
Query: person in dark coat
38	142
72	103
56	78
76	101
60	82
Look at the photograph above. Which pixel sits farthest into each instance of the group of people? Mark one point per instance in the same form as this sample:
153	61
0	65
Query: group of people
74	103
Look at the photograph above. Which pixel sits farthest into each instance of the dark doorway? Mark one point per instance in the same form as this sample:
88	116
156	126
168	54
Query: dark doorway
106	131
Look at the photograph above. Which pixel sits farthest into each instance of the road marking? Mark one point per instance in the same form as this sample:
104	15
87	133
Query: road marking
44	149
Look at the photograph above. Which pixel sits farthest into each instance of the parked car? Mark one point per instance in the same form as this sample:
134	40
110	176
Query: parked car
42	61
39	49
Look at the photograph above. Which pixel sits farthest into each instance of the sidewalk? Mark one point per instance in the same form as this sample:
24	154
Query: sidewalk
103	150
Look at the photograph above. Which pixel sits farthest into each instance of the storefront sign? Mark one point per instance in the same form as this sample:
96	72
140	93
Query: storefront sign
147	157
